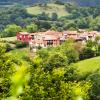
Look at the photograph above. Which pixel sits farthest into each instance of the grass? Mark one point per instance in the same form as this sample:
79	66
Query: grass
9	39
59	9
89	65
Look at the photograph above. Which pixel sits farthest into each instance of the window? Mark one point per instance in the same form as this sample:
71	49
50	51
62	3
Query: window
50	42
32	36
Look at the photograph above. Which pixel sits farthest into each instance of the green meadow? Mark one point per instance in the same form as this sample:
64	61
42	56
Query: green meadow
49	9
89	65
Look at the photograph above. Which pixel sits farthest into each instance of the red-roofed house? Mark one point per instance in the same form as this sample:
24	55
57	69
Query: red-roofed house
51	40
70	34
23	36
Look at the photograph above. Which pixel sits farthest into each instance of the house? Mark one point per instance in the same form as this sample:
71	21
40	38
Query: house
84	36
49	32
54	38
70	34
23	36
51	40
45	41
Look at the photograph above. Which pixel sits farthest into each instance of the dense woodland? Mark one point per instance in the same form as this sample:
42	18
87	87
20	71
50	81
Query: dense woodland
78	18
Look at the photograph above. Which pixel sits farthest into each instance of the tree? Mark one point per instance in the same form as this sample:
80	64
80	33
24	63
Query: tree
58	2
43	53
95	90
54	16
7	68
11	30
72	55
32	28
87	53
16	15
90	44
56	60
42	16
54	84
44	25
97	45
71	26
82	23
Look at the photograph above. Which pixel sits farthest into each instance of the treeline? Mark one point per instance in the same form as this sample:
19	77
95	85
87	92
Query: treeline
78	18
78	2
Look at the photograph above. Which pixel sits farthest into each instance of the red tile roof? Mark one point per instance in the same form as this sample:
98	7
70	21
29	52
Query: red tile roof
50	37
24	33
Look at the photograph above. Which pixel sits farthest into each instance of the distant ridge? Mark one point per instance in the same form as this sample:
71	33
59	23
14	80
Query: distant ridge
78	2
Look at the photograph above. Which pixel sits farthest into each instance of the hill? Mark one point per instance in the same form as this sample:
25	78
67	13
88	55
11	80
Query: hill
49	9
89	65
78	2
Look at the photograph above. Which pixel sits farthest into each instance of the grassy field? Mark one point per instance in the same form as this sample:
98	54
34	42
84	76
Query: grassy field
59	9
9	39
89	65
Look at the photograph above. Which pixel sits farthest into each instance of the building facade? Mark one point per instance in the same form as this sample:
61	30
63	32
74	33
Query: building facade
54	38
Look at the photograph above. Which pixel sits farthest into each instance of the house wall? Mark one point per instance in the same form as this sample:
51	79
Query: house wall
23	37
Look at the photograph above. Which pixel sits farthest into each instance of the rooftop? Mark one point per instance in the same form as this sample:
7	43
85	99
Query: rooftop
25	33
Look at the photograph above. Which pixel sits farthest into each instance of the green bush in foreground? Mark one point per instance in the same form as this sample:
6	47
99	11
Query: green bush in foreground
20	44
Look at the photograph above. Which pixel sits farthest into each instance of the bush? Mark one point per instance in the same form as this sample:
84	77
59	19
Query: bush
87	53
95	90
59	2
72	55
8	47
56	60
26	58
20	44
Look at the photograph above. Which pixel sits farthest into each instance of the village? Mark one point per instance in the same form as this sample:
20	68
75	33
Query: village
54	38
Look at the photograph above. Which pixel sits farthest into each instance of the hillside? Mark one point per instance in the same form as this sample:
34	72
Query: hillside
78	2
89	65
49	9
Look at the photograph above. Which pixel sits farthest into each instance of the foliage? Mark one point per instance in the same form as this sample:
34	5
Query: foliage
52	85
54	17
72	55
11	30
20	44
50	74
90	44
32	28
18	81
56	60
78	2
87	53
8	67
8	47
95	91
65	17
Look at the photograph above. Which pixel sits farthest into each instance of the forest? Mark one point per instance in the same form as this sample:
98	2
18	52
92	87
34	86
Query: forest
87	18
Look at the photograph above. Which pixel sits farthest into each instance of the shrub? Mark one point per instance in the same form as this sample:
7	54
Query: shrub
87	53
20	44
72	55
8	47
95	90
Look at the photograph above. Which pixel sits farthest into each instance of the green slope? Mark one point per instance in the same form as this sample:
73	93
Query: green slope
89	65
59	9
